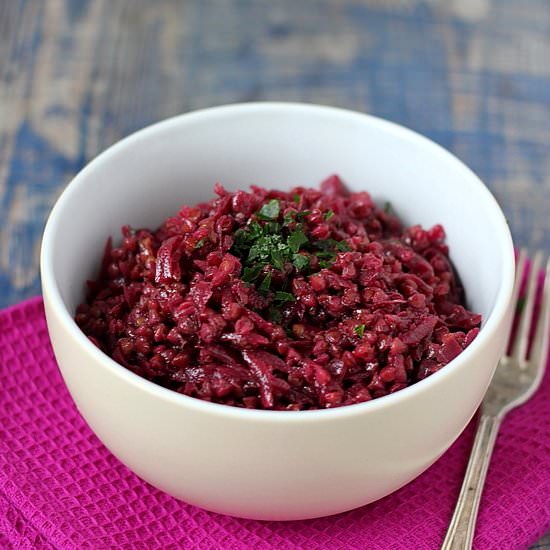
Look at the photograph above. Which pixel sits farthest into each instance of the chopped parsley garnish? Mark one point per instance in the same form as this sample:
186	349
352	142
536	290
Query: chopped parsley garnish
267	243
296	239
278	257
270	210
284	296
388	208
359	330
266	283
273	227
200	243
251	273
301	216
328	215
300	261
274	314
327	250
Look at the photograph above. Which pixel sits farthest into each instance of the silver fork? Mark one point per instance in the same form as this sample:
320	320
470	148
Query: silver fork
516	379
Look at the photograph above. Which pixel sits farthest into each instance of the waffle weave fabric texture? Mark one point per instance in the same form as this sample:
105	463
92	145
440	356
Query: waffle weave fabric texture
61	488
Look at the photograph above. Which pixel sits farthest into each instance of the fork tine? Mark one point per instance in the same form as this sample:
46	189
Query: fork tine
520	268
521	342
539	352
521	261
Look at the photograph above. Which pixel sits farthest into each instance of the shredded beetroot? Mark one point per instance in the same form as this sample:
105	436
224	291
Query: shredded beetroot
288	301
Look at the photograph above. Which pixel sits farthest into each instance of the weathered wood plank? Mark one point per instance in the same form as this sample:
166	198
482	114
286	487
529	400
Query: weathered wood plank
75	76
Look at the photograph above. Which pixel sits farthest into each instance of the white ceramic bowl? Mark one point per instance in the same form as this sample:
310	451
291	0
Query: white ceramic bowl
266	464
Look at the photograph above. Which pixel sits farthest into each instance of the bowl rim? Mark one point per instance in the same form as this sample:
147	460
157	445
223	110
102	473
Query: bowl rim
57	306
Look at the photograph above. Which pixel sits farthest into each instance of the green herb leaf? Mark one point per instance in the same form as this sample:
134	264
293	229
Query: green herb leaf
270	210
284	297
273	227
266	283
326	254
255	230
244	238
301	216
265	241
256	251
388	208
274	315
296	198
200	243
289	218
325	244
342	246
329	245
359	330
251	273
277	259
296	239
300	261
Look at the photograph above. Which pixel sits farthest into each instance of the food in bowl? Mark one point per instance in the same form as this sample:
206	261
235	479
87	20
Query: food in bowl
267	299
274	465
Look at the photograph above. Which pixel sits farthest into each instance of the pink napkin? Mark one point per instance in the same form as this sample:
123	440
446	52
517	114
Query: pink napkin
60	488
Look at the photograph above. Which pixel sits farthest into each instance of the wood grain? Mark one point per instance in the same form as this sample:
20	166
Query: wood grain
75	76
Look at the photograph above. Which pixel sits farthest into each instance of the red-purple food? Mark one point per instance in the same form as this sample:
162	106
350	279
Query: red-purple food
309	299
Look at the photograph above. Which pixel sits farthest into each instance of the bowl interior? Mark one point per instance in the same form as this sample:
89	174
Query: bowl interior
146	177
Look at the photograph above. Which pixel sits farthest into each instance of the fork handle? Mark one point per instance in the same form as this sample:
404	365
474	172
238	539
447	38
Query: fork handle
460	533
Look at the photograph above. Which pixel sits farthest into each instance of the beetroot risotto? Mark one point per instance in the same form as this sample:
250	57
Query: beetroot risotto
289	301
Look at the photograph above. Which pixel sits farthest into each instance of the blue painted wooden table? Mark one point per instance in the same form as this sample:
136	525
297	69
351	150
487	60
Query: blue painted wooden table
75	76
